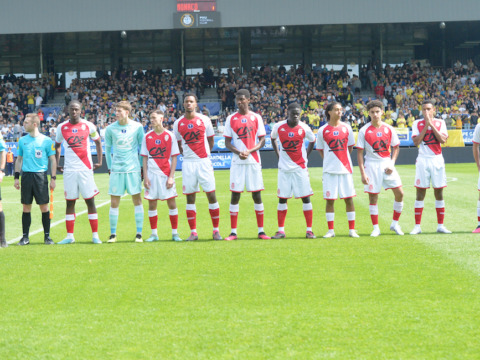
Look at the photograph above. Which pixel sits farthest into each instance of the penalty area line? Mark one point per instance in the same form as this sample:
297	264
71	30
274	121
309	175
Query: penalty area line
58	222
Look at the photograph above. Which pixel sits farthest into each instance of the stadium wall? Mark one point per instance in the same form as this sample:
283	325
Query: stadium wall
33	16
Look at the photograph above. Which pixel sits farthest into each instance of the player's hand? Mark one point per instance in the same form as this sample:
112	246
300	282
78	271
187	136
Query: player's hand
2	174
52	184
96	166
16	184
170	183
365	180
141	173
60	169
146	182
388	170
244	154
109	172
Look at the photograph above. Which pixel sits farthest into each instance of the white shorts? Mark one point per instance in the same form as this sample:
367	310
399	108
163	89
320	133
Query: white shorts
338	184
158	187
430	169
247	176
196	173
375	170
79	182
294	182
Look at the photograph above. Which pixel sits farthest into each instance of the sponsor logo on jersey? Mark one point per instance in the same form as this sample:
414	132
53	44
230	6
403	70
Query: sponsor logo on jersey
158	142
124	131
291	134
336	133
244	121
74	131
190	126
379	134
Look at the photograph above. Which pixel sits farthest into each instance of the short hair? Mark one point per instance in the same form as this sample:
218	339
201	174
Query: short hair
190	94
35	118
375	103
429	101
294	105
74	102
124	105
158	112
243	92
330	107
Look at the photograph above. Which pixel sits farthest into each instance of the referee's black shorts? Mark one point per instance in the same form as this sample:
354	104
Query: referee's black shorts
34	185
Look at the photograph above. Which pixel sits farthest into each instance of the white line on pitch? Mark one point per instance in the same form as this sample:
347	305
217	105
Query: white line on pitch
58	222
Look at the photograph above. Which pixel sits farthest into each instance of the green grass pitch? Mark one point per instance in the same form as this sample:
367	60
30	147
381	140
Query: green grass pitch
391	297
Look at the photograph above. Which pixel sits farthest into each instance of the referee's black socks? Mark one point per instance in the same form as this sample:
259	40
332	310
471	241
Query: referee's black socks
2	226
26	222
46	223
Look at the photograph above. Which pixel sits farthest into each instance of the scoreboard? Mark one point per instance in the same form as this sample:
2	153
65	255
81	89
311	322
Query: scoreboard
196	14
195	6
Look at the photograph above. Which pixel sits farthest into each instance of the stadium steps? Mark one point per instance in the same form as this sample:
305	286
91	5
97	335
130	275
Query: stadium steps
210	95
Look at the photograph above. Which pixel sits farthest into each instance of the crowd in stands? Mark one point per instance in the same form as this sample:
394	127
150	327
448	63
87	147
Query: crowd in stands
401	88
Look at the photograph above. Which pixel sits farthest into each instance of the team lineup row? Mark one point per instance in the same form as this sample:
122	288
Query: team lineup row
192	136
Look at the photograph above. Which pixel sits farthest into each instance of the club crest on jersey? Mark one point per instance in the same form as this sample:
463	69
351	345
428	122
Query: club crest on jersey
166	137
336	133
83	127
158	142
386	130
124	131
243	121
327	194
379	134
252	117
198	122
344	130
74	131
300	132
190	126
291	134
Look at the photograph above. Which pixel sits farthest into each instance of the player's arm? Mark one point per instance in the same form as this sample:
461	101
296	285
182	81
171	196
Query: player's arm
361	166
146	179
275	146
442	139
350	149
108	148
3	161
476	154
171	177
211	142
18	168
53	169
310	146
417	140
258	146
180	147
98	145
229	146
58	152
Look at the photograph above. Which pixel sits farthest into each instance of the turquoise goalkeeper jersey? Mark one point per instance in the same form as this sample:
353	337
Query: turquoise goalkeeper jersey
125	141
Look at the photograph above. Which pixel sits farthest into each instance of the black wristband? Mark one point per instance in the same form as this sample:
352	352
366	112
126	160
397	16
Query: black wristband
17	175
53	177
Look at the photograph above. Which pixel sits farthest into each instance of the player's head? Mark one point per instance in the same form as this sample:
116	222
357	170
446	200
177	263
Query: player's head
375	109
375	103
190	102
428	108
122	110
156	118
31	122
74	109
242	98
334	109
294	111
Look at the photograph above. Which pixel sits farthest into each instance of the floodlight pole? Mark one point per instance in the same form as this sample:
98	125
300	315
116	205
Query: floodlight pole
240	51
41	54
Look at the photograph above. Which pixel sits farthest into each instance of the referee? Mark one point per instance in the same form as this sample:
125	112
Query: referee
34	151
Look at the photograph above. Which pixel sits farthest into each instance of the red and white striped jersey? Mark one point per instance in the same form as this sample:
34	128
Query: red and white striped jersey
193	134
377	142
430	146
76	138
159	149
291	143
244	130
334	141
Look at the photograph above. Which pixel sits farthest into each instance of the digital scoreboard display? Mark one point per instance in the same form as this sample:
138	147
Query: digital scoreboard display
196	6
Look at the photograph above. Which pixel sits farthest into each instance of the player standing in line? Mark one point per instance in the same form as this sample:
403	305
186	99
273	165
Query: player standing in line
476	156
293	177
428	134
124	137
159	152
194	133
78	168
379	170
244	136
335	143
35	150
3	157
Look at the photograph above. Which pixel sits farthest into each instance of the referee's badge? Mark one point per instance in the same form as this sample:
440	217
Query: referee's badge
38	154
124	131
